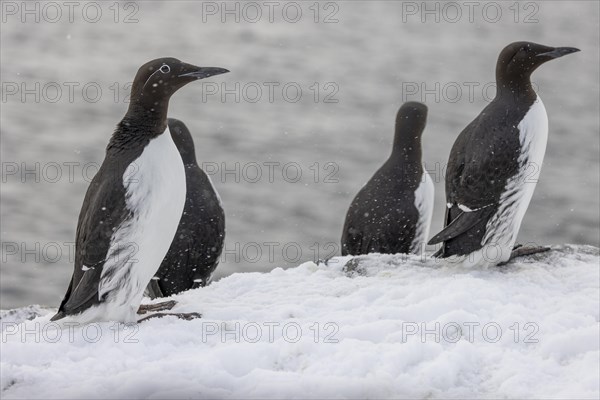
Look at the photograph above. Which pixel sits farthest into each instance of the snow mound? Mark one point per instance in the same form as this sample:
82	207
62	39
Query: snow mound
393	327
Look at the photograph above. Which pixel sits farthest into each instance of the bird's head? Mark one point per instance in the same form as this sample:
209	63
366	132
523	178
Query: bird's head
411	118
519	59
157	80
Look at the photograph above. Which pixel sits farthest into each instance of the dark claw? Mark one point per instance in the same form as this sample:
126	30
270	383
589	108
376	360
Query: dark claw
527	251
185	316
520	251
165	305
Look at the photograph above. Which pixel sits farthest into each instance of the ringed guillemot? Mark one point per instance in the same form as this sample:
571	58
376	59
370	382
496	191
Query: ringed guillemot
392	212
134	203
495	163
198	243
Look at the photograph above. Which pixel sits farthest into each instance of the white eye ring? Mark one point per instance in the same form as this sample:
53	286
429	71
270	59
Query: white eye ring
165	69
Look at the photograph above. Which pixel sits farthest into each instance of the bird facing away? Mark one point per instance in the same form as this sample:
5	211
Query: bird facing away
495	163
134	203
392	212
196	248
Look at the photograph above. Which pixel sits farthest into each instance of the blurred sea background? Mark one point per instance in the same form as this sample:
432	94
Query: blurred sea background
365	57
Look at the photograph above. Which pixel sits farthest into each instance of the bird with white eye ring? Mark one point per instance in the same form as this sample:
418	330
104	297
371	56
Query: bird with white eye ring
122	210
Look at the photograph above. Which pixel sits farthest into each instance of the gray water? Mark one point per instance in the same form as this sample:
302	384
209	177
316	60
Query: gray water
368	62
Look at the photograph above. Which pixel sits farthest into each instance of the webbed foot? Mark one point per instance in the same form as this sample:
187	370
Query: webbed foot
520	251
185	316
165	305
527	251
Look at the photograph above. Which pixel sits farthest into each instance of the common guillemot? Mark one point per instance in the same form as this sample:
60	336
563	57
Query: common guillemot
134	203
392	212
495	163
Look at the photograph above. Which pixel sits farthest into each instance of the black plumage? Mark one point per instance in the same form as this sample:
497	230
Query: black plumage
105	210
488	153
383	217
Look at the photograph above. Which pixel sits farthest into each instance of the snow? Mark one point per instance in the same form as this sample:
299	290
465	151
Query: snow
371	342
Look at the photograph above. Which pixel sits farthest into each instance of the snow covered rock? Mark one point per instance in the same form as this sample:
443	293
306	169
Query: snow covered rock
396	327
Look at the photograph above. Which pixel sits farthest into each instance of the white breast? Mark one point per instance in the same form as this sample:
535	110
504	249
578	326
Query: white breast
424	198
503	227
155	187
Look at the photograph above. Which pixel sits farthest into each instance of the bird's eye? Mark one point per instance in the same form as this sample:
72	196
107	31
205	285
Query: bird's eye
165	69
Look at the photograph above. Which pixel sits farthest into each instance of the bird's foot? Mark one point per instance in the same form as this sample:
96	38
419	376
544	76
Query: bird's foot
527	251
164	306
185	316
520	251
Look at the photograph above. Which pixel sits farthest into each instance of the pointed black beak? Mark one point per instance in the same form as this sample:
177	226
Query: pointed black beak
559	52
205	72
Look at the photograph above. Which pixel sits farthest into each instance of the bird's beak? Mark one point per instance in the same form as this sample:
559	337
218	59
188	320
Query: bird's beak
558	52
204	72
